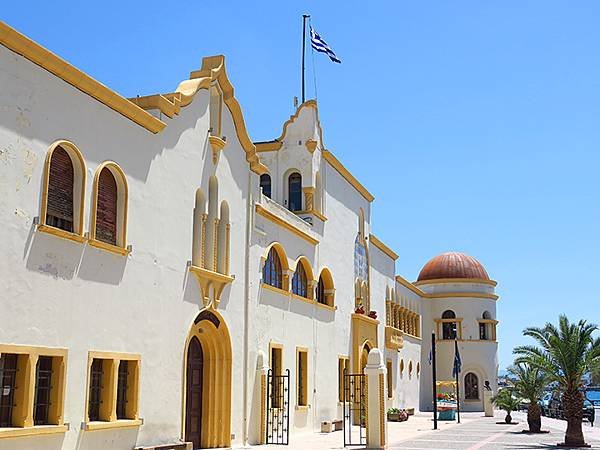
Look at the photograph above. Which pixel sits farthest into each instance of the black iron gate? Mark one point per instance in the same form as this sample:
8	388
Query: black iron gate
355	409
278	408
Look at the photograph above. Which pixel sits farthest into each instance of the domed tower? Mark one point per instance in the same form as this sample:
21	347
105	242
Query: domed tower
459	303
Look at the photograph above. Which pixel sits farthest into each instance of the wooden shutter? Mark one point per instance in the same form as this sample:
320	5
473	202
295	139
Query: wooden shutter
106	210
59	212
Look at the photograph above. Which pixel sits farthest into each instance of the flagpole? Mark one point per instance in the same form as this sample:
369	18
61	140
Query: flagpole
304	17
457	386
434	377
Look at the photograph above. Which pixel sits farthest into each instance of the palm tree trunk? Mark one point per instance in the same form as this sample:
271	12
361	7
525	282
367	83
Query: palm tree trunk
573	408
534	417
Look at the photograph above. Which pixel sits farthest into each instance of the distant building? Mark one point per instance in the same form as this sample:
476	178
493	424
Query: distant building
159	268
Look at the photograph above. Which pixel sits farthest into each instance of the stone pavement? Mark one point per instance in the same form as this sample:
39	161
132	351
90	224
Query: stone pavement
485	433
474	433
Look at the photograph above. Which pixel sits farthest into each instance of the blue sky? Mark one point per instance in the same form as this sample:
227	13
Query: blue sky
475	125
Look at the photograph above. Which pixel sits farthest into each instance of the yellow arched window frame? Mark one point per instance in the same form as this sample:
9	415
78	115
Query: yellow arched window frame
122	205
78	192
310	278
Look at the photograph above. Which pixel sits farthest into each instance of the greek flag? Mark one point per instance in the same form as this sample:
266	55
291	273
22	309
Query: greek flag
320	45
457	361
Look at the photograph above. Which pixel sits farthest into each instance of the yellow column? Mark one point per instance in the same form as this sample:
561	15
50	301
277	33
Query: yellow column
228	234
22	414
203	233
215	245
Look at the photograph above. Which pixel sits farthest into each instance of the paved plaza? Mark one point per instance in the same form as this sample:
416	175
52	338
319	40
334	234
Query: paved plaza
474	433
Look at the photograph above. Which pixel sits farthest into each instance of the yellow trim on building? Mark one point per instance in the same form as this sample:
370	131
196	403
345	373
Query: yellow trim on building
79	174
212	70
108	405
462	294
345	173
456	280
302	390
35	430
381	246
277	143
24	397
44	58
260	210
216	389
407	284
122	208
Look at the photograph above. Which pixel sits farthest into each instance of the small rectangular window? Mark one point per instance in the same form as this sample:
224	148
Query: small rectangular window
277	380
122	390
390	392
343	366
8	376
43	386
113	387
482	332
302	378
95	394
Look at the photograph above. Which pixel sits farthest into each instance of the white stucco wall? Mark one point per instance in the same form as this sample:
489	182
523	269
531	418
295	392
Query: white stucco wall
58	293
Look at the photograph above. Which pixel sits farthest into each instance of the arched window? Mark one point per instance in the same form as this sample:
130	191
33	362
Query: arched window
59	212
265	184
418	369
300	281
272	274
448	327
106	214
410	369
63	191
401	368
325	288
471	386
295	192
109	206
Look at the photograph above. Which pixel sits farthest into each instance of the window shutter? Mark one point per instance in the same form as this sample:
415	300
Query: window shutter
59	211
106	211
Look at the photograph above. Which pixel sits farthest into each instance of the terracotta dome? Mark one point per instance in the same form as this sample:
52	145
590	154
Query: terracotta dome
453	265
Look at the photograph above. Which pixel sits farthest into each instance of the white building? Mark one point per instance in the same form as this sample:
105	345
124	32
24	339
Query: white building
156	263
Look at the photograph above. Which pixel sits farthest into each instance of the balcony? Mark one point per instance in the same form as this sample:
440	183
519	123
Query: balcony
284	218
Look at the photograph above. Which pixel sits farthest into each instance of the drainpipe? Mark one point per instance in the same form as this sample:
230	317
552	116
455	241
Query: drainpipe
246	307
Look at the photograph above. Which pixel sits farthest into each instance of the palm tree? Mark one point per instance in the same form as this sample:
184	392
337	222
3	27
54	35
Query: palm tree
506	401
565	353
529	383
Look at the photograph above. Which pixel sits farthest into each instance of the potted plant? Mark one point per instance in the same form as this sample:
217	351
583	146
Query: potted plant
506	401
373	314
393	415
359	309
396	415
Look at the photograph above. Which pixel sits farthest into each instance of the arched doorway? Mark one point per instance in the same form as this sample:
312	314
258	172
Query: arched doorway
207	394
364	356
193	396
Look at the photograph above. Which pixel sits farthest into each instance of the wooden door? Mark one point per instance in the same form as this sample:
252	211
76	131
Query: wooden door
193	400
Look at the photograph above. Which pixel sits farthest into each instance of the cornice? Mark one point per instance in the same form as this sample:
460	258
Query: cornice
34	52
345	173
407	284
423	294
381	246
456	280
